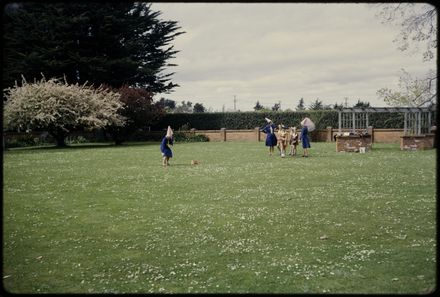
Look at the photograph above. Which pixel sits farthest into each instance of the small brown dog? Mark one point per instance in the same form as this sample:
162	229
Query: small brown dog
194	162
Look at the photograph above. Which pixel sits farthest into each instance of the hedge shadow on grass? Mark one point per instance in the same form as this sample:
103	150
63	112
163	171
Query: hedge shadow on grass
82	146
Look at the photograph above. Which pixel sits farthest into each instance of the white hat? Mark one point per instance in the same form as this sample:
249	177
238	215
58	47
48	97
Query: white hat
169	132
308	122
268	120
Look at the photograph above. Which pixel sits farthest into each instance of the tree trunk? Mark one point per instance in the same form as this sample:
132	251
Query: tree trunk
59	136
118	135
60	140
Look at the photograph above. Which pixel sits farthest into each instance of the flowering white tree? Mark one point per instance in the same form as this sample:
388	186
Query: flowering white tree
60	108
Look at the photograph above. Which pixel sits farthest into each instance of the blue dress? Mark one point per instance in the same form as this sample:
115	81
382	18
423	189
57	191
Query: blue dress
271	139
165	149
305	137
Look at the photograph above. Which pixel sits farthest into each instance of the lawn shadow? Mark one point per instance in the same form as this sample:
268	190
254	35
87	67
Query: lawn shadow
81	146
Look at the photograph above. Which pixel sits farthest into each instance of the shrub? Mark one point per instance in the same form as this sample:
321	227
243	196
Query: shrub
186	137
76	139
26	140
60	108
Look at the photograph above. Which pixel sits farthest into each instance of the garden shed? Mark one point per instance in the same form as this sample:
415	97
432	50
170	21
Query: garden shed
417	128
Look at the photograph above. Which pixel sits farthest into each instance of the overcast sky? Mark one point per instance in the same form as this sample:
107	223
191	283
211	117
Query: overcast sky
281	52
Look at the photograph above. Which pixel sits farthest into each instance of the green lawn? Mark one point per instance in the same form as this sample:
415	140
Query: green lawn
112	219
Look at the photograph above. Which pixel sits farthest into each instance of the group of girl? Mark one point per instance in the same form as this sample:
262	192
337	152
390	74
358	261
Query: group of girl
280	137
275	136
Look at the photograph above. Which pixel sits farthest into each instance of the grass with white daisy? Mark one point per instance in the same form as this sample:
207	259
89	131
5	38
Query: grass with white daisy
112	219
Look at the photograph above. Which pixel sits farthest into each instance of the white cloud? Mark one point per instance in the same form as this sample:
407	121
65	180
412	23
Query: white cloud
281	52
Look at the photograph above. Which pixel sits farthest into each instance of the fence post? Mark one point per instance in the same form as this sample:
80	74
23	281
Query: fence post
329	134
339	121
433	130
371	132
223	134
257	133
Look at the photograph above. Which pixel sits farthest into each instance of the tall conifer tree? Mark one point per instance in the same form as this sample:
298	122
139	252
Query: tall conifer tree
113	43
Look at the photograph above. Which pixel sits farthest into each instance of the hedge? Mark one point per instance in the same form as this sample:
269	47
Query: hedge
250	120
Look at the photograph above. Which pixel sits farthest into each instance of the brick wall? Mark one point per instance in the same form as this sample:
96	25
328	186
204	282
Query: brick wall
379	135
353	143
231	135
213	135
417	142
324	135
387	135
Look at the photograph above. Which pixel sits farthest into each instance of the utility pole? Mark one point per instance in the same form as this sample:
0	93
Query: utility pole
235	100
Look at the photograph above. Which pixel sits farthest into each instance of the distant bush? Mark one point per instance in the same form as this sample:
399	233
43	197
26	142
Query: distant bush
185	137
76	139
26	140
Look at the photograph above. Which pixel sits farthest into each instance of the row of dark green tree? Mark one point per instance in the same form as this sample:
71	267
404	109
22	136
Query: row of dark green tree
316	105
171	106
113	43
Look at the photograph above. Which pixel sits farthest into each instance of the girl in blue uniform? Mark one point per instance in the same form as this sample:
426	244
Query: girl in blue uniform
271	139
167	141
304	139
